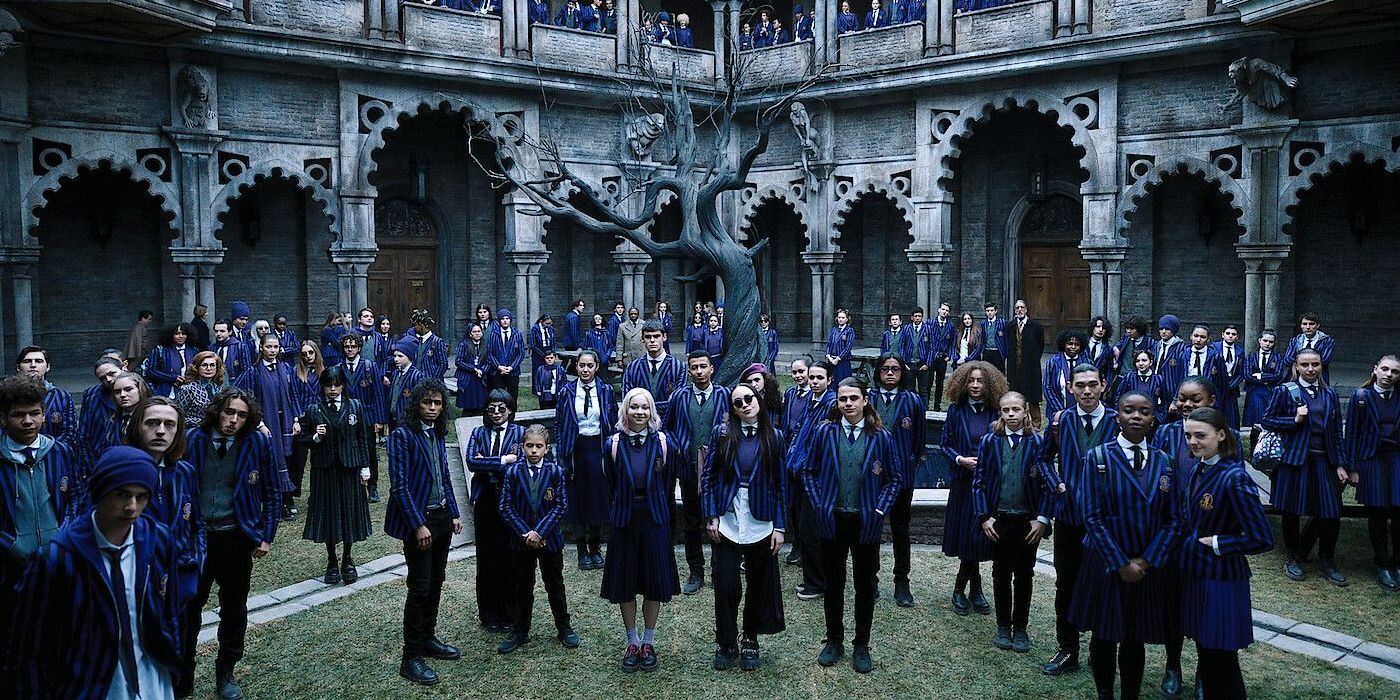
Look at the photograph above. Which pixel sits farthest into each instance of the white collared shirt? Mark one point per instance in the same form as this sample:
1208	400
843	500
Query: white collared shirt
591	423
1128	446
1097	414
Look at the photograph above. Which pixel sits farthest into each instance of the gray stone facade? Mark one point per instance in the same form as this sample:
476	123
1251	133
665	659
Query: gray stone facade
324	152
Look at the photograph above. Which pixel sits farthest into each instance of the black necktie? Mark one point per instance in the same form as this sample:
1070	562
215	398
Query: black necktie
1308	344
748	431
1312	391
1137	458
637	440
128	649
654	365
587	399
335	406
272	367
1229	355
1089	424
851	433
221	445
889	396
1015	440
1094	349
1385	395
701	398
1264	362
496	442
28	456
1198	362
976	406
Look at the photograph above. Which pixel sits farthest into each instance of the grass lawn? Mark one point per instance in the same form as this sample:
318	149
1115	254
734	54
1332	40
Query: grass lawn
350	648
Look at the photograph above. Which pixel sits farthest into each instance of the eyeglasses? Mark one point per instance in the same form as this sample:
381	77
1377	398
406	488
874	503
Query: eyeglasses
889	370
740	401
498	408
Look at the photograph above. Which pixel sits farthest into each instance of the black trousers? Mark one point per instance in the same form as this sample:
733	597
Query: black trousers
1220	675
1112	659
509	382
427	569
865	566
939	370
692	526
551	566
809	546
763	612
495	587
1383	525
296	466
228	561
900	515
1013	567
994	358
1299	542
1069	556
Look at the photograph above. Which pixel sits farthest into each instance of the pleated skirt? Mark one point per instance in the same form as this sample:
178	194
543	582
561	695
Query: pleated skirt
338	508
641	560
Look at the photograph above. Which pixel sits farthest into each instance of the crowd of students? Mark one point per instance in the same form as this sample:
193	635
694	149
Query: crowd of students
122	510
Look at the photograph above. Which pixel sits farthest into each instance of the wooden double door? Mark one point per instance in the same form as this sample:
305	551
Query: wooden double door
404	274
1055	284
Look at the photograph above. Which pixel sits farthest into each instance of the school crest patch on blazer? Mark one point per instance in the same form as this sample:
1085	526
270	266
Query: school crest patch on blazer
1164	484
658	464
364	383
549	494
253	477
1207	502
352	419
56	418
164	581
405	393
63	484
185	512
876	467
907	423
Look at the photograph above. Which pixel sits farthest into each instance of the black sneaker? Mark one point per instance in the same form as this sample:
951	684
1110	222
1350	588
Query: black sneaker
1061	663
1333	575
1171	683
1386	578
793	558
227	686
831	653
1003	638
860	659
693	585
511	643
804	593
1020	642
748	656
726	659
1292	569
569	638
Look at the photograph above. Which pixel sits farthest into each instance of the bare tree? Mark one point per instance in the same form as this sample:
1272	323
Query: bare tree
695	182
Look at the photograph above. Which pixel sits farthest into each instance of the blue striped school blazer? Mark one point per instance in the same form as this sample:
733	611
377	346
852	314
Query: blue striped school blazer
1122	519
1064	458
678	426
505	354
1155	387
64	642
175	504
720	482
415	460
68	497
1055	384
661	457
1221	501
1280	418
958	440
880	482
1363	425
399	410
515	510
986	478
1171	440
486	469
363	384
802	443
60	417
566	418
790	419
1324	344
257	500
908	430
671	375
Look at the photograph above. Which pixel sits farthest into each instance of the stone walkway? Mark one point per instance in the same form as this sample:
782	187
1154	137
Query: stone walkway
1289	635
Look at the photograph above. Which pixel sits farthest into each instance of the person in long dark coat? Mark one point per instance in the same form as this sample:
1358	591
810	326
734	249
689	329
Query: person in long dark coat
341	441
273	383
1026	340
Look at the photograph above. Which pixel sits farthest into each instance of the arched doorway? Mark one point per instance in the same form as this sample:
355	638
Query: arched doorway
875	278
275	240
101	220
1344	238
404	274
784	280
1048	271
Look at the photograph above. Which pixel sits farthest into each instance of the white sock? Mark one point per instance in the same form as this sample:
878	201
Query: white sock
649	637
632	638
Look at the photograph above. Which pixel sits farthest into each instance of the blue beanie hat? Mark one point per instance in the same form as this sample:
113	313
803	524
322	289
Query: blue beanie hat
121	466
1170	323
505	313
663	17
407	346
797	9
239	310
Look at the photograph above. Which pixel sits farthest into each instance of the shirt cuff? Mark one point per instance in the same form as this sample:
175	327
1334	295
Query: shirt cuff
1215	544
316	439
1043	520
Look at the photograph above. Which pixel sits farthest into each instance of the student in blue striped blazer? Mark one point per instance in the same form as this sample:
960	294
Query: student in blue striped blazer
839	344
1073	432
640	463
819	402
422	513
902	414
240	507
1125	497
1008	494
158	428
1229	349
98	613
743	489
534	499
492	448
974	392
697	411
1055	385
1140	377
1222	521
852	478
584	418
768	339
1099	350
657	371
1307	415
1373	454
1263	371
796	400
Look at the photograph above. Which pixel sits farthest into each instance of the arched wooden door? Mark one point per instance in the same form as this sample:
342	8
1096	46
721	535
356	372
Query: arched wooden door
404	274
1054	276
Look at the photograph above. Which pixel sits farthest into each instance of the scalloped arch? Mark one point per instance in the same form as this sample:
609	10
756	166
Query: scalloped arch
390	121
37	196
950	148
870	186
767	194
273	170
1129	202
1337	156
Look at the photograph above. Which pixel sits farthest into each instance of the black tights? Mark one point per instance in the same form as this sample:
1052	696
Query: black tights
1220	675
1383	524
1324	531
969	572
330	552
1110	658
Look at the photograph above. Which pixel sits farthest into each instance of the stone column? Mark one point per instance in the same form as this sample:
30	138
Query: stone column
1262	303
824	31
928	278
823	266
189	287
22	279
634	285
1105	279
1263	145
1082	11
629	22
352	275
197	185
206	289
515	21
721	9
938	28
197	265
527	283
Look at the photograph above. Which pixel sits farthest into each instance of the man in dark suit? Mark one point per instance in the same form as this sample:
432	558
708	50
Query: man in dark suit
201	326
1027	344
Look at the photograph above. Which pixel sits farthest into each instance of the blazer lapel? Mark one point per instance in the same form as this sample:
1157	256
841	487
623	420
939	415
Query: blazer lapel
1125	469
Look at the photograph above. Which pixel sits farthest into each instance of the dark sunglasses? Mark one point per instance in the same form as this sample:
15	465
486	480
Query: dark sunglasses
498	408
740	401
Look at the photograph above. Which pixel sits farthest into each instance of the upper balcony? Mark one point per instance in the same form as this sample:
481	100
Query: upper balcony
146	20
1313	15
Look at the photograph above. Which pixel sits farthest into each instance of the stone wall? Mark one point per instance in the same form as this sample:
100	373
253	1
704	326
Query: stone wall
687	64
580	131
778	63
460	33
278	104
77	85
1175	99
1342	81
881	47
873	132
343	18
1006	27
574	48
875	276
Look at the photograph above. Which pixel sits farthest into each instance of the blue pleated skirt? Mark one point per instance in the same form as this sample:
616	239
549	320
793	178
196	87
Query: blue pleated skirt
1117	611
1379	483
641	560
1310	489
1217	614
962	538
589	500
